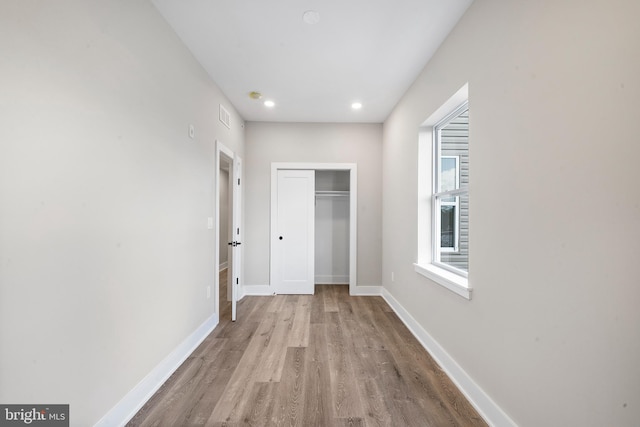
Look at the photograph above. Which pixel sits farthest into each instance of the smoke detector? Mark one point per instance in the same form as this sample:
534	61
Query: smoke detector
311	17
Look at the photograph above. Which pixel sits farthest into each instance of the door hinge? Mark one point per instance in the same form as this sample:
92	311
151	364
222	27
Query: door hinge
238	181
237	281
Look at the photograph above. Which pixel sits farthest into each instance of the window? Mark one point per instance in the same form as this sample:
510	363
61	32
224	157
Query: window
450	191
443	195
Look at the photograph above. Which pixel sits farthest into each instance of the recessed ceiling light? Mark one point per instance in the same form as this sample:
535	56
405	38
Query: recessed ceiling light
356	105
269	104
311	17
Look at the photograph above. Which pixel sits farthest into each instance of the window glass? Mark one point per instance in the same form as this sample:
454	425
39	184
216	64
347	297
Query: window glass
447	226
448	174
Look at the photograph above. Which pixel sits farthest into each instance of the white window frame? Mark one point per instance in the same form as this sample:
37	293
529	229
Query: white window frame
449	277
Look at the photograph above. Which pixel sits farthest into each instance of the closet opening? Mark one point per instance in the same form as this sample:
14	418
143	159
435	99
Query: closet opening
332	193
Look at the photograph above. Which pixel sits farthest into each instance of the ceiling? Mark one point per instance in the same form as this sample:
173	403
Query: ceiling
367	51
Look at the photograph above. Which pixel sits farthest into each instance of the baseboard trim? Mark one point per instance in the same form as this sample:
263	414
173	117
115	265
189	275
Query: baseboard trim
255	290
131	403
364	291
331	280
266	290
480	400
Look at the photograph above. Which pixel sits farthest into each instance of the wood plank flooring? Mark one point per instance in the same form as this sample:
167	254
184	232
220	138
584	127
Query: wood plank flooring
297	360
225	306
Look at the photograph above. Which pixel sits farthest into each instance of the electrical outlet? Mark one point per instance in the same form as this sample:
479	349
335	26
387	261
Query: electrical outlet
393	277
192	131
208	292
210	223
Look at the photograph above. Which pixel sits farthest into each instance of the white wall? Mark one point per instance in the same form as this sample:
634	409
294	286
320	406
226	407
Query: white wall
104	249
318	143
552	333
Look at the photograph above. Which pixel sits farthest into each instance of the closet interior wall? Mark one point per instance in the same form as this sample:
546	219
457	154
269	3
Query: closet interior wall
332	227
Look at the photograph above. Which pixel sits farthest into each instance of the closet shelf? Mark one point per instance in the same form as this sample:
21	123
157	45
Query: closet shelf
332	193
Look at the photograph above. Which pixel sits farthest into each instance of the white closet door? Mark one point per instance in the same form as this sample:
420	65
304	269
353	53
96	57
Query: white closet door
294	235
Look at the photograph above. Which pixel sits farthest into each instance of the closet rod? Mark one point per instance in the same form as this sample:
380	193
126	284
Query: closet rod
333	193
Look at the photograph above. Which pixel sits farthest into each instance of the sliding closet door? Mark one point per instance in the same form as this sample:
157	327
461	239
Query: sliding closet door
293	241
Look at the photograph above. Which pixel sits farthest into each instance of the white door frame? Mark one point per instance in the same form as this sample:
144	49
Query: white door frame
235	161
353	212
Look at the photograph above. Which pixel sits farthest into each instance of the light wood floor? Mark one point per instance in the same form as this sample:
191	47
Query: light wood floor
225	306
323	360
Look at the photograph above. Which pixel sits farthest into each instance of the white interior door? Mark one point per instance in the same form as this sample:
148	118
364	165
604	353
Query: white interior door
293	232
236	235
226	158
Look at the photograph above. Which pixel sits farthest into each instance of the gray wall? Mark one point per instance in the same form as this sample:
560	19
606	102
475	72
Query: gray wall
105	253
552	332
319	143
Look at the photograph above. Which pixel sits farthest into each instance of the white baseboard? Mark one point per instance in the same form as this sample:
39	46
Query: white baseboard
255	290
223	266
485	406
331	280
265	290
131	403
366	290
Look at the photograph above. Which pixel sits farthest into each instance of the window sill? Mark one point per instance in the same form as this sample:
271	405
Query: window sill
451	281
